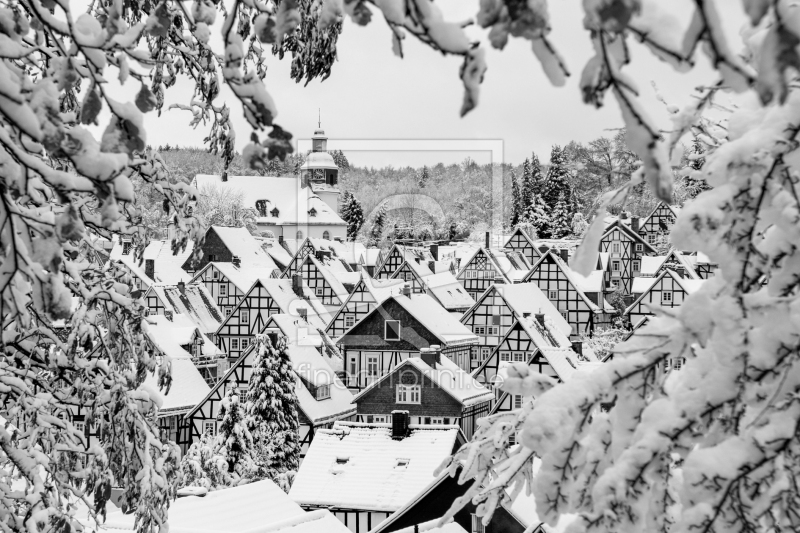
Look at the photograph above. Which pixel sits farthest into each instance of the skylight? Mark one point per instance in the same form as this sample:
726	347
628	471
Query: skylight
401	464
342	460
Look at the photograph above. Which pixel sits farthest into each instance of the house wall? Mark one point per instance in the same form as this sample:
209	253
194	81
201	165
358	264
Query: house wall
478	275
491	312
212	245
382	399
233	295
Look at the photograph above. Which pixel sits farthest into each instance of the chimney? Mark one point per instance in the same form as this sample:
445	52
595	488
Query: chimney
302	312
488	239
432	356
623	215
150	268
577	347
564	255
526	314
182	287
540	318
224	176
635	224
399	425
280	239
435	251
406	290
237	262
297	284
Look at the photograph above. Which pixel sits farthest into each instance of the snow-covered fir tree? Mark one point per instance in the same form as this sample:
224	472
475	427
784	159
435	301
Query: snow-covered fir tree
424	176
272	411
526	184
557	181
579	224
204	466
353	214
234	440
536	218
693	181
378	228
341	160
516	201
560	224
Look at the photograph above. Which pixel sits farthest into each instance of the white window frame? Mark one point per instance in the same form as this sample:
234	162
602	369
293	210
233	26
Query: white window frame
235	344
666	297
505	357
319	291
223	289
616	265
486	351
323	392
214	274
349	320
372	359
553	295
244	316
651	238
493	330
517	401
518	357
615	248
386	330
210	427
408	393
639	247
244	344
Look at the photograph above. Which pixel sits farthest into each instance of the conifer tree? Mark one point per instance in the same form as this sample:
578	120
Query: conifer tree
341	160
526	186
536	219
694	183
378	226
560	219
353	214
234	440
272	411
557	178
516	201
203	466
424	177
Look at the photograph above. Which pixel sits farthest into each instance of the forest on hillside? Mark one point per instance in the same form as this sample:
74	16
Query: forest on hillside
467	198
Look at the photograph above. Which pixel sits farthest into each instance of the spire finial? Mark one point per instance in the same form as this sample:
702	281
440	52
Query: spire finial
319	117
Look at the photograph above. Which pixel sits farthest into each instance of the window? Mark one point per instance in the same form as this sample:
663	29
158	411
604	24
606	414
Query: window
615	266
210	427
323	392
408	393
485	352
299	235
477	525
512	439
666	297
319	291
245	342
372	365
223	290
401	464
475	355
342	460
212	258
479	330
234	344
564	314
639	247
312	212
326	235
349	320
614	283
214	274
227	311
651	238
80	425
352	365
126	247
519	357
637	265
391	330
677	363
241	392
505	356
552	295
615	247
244	317
492	330
376	419
517	401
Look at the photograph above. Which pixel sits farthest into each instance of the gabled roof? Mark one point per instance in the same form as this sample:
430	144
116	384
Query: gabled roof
673	208
635	237
257	507
280	256
243	245
688	285
370	256
510	264
333	281
519	231
447	375
448	291
434	317
355	466
528	297
577	282
242	276
195	301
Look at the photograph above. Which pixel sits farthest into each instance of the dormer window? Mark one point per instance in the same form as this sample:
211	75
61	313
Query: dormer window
126	247
342	460
312	212
275	213
261	207
401	464
323	392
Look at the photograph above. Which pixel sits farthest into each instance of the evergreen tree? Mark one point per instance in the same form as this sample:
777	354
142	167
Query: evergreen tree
272	411
516	201
234	440
378	226
560	219
423	177
526	186
695	184
340	159
203	466
579	224
536	220
353	214
557	178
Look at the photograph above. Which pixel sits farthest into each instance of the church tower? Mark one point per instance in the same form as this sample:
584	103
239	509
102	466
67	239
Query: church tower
320	171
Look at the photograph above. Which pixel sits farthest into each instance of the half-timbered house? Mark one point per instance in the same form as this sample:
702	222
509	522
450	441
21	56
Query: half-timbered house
625	249
433	390
226	245
326	286
399	254
413	273
321	396
675	260
229	282
396	329
520	242
655	227
534	339
362	473
583	309
366	296
496	311
190	299
668	290
515	515
487	267
265	298
704	266
324	251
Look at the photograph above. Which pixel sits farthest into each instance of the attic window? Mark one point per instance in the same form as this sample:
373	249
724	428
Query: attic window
392	330
126	247
312	212
342	460
275	213
401	463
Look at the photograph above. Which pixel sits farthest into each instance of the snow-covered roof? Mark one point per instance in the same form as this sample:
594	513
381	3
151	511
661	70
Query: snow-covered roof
650	265
135	268
277	252
194	301
688	285
188	387
286	193
511	264
448	291
257	507
333	281
641	284
281	291
528	297
370	256
243	245
242	276
592	283
357	466
448	376
434	317
431	527
319	160
383	288
312	367
573	278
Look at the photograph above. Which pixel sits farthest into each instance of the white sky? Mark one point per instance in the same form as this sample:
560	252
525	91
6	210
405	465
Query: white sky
373	94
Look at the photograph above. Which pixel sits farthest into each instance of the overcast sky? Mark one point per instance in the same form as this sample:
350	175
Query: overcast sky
373	94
